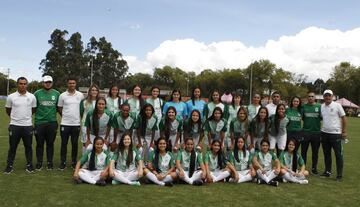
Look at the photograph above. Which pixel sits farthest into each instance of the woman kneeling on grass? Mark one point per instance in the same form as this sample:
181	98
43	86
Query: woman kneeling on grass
217	167
240	158
93	164
292	165
129	167
266	164
160	168
189	164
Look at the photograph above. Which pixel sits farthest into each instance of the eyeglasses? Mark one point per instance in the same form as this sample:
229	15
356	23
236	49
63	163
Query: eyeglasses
327	94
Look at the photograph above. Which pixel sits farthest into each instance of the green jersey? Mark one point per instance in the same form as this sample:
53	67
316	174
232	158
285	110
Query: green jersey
232	112
165	161
46	102
282	126
104	122
185	158
209	108
192	131
85	107
124	124
257	129
286	159
311	115
151	126
212	161
175	127
101	160
294	117
239	128
244	161
265	160
215	128
252	111
113	104
121	158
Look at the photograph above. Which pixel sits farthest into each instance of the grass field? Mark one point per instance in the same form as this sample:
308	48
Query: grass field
55	188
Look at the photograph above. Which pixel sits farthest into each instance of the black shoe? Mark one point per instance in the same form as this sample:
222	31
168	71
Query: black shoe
30	169
8	169
38	166
314	171
274	183
50	166
73	165
100	182
339	178
260	181
77	181
198	183
62	166
169	184
326	174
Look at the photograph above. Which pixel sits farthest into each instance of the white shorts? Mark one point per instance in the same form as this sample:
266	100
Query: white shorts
280	140
243	172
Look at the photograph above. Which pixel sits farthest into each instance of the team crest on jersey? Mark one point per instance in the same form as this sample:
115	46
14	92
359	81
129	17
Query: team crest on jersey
316	110
53	98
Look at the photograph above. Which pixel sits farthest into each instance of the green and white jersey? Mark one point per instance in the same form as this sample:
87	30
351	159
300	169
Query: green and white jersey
121	158
232	112
104	121
212	161
176	127
157	104
191	131
294	117
311	115
239	128
165	162
244	162
101	160
46	103
134	104
85	107
257	129
124	124
185	158
265	160
209	108
112	105
151	126
252	111
286	159
282	126
215	128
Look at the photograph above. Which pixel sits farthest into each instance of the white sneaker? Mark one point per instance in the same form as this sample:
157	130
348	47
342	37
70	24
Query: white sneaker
303	182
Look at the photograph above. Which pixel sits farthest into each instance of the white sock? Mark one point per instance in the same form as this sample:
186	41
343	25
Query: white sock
262	176
187	179
222	176
271	175
244	178
120	176
196	176
88	176
290	178
154	179
168	178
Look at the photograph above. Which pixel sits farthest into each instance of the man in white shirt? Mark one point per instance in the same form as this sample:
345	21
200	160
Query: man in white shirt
275	101
69	109
332	132
20	106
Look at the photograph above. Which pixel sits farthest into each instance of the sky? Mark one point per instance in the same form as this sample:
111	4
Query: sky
303	37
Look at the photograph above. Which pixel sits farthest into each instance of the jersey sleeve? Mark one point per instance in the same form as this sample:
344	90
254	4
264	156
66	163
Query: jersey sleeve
151	156
165	109
8	103
137	122
300	160
232	125
87	119
206	111
84	158
200	158
206	158
231	157
137	155
341	110
281	158
179	155
61	101
172	160
224	129
180	127
273	156
162	125
115	123
207	126
115	156
155	127
82	107
33	101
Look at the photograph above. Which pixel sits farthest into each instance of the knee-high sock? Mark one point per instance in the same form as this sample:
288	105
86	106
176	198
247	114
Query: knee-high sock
222	176
244	178
290	178
154	179
196	176
88	176
133	176
168	178
187	179
262	176
271	175
120	176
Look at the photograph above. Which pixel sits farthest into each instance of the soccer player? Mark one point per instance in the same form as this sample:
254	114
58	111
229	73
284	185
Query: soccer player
239	127
215	102
123	121
233	111
157	103
259	128
215	127
175	101
293	129
277	133
195	103
192	128
171	128
136	102
254	107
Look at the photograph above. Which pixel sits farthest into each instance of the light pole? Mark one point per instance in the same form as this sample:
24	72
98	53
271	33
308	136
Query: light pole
251	75
91	70
8	80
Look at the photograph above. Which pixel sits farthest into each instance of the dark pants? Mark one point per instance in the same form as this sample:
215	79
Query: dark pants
298	136
16	133
65	133
332	141
45	133
314	139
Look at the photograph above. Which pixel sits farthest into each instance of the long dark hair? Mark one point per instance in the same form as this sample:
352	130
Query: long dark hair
143	118
93	153
233	99
192	95
157	153
277	119
95	117
291	102
172	93
212	117
141	100
168	123
121	148
246	116
113	86
192	158
236	149
211	95
295	156
219	154
256	122
188	127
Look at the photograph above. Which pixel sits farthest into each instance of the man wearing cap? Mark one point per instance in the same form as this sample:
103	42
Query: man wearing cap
332	132
20	106
45	122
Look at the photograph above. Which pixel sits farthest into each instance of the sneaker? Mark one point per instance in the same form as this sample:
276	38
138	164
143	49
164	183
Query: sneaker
198	183
260	181
50	166
77	181
314	171
100	182
303	182
115	182
73	165
255	180
339	178
62	166
30	169
38	166
135	183
284	180
274	183
326	174
169	184
8	169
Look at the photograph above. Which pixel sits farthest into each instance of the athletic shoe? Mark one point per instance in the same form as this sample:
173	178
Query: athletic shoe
255	180
100	182
169	184
50	166
326	174
8	169
135	183
73	165
62	166
274	183
198	183
314	171
339	178
284	180
260	181
38	166
303	182
30	169
77	181
115	182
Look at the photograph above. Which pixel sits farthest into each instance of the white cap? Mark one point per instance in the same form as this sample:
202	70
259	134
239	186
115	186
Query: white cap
47	78
328	91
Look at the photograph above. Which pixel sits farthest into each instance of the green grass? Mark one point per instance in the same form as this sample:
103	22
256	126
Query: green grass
55	188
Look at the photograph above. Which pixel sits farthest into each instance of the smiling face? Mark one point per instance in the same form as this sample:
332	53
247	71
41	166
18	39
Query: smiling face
216	97
217	115
241	115
240	143
295	102
265	147
125	109
215	147
276	98
101	104
197	93
114	91
162	145
176	97
148	112
195	116
328	98
155	93
291	146
171	114
189	145
47	85
262	114
136	91
99	143
237	100
311	98
94	92
256	99
71	84
127	140
281	111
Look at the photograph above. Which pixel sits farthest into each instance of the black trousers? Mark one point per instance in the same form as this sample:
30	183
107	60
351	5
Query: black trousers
65	133
298	136
45	133
333	141
16	133
313	138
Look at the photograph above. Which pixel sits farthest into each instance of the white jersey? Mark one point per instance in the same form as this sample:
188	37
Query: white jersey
271	109
70	103
21	108
331	115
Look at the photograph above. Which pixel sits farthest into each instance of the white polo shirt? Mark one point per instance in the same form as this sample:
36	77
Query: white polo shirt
331	115
271	108
21	108
70	103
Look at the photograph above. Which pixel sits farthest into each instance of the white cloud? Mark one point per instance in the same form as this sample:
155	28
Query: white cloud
313	52
135	26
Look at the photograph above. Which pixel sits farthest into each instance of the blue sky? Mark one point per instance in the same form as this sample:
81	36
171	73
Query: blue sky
136	27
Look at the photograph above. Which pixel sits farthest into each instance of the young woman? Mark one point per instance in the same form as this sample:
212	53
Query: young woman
93	165
195	103
136	102
277	133
171	128
157	103
215	102
126	165
233	111
259	129
239	127
146	125
98	123
193	128
175	101
189	164
254	107
160	169
215	127
217	167
113	104
266	164
240	158
123	121
292	165
87	105
293	113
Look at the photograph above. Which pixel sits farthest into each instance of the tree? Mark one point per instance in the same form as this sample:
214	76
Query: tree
145	80
4	82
